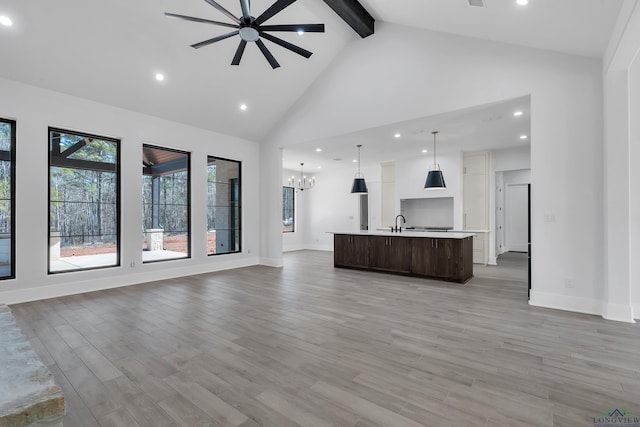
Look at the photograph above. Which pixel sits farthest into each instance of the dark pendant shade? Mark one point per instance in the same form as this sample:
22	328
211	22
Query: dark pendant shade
359	186
435	179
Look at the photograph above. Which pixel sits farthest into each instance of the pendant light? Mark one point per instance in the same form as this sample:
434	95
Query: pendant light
303	182
359	186
435	179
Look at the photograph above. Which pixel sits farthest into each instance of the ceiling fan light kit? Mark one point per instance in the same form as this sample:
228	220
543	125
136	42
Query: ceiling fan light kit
251	30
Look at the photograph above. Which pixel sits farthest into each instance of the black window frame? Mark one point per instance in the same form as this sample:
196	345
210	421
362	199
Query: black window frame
291	190
239	201
189	227
12	158
118	144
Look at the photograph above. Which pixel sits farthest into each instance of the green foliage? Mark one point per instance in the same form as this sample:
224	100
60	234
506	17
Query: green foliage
96	150
5	136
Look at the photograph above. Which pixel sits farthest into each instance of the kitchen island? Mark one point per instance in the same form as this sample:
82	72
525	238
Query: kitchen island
436	255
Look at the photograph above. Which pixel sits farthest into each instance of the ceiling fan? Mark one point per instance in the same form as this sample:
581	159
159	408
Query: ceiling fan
250	29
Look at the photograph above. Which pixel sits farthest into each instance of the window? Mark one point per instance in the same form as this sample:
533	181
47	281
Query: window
166	204
223	206
7	198
84	201
288	210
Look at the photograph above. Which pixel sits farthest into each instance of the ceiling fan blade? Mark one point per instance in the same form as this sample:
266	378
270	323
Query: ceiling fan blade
223	10
267	54
307	28
238	56
246	10
286	44
194	19
215	39
274	9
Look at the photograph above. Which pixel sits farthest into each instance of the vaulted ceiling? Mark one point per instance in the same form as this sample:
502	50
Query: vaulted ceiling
110	51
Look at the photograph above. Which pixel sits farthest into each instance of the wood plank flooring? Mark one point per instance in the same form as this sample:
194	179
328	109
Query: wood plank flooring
310	345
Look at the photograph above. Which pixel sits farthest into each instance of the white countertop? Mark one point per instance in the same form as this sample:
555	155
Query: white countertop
430	234
469	231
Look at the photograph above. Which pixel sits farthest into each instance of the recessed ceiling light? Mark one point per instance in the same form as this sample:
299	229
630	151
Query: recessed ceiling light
300	32
159	77
523	136
243	107
424	151
518	113
318	150
6	21
522	2
397	135
354	161
319	167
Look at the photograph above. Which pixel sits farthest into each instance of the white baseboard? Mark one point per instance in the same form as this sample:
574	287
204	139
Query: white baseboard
271	262
320	247
17	296
291	248
618	312
565	302
636	311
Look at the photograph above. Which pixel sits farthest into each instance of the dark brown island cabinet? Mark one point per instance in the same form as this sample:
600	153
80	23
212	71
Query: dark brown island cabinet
430	255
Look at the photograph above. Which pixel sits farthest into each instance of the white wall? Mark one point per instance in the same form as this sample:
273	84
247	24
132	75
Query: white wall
634	194
402	73
516	158
332	207
34	110
622	181
411	175
429	212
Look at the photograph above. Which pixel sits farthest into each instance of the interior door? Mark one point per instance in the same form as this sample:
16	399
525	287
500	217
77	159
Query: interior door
517	218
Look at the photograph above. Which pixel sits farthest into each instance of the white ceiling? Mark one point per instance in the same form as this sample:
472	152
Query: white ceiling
483	127
109	51
580	27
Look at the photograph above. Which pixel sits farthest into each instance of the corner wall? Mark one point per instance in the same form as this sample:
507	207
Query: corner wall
621	292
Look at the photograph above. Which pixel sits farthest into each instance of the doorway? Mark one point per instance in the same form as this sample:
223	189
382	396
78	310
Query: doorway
517	218
512	225
364	212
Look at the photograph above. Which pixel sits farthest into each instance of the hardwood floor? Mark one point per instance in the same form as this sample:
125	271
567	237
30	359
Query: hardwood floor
310	345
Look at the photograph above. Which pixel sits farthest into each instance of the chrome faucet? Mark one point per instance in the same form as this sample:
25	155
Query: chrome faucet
399	229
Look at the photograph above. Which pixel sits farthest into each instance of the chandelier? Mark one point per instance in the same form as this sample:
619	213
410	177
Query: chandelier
303	183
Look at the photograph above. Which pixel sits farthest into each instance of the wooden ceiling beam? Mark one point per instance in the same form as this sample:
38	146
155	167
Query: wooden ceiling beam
354	14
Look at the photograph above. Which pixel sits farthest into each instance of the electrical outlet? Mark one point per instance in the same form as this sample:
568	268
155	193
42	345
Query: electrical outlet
568	283
549	217
133	264
248	251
